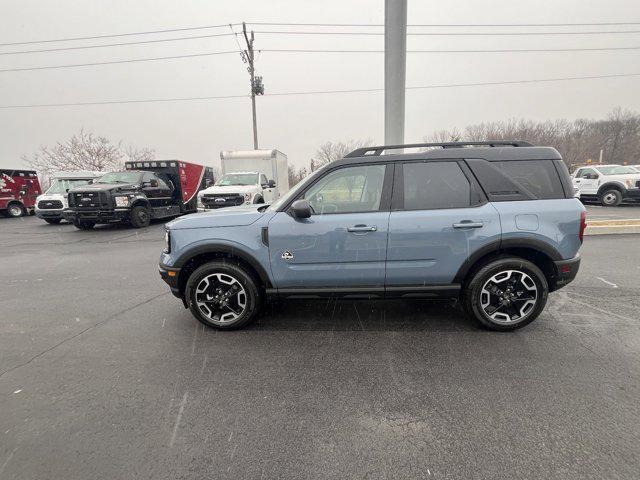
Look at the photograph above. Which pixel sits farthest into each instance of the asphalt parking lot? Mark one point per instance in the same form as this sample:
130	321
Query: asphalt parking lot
103	374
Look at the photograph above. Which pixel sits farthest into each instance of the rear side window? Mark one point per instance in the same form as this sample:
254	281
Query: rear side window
432	185
539	177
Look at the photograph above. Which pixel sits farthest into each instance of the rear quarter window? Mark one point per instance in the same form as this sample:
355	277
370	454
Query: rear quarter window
539	177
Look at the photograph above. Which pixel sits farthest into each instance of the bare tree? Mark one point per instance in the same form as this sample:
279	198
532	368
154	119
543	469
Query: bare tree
330	152
296	176
134	154
84	151
617	136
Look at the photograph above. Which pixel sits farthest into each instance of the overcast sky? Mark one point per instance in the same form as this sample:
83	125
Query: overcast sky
198	130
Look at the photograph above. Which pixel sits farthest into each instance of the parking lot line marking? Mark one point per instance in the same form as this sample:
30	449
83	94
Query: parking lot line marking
178	418
607	282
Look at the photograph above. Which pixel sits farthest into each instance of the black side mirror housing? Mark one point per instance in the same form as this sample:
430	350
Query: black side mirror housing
272	183
300	209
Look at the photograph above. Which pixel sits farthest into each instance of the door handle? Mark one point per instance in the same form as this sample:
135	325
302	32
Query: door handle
468	224
362	229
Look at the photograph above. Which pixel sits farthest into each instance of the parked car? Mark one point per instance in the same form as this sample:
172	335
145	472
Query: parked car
18	192
240	188
51	204
495	224
607	184
144	191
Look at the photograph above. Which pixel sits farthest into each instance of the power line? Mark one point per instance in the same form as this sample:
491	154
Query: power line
82	47
206	54
447	34
113	35
592	24
323	92
114	62
501	50
204	27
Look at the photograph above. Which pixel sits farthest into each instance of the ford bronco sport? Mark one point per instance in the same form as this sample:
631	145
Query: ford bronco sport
493	223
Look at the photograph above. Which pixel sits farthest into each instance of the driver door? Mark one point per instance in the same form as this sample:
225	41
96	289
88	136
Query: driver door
344	242
586	181
267	193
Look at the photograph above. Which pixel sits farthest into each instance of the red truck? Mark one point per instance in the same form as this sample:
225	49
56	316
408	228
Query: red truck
18	192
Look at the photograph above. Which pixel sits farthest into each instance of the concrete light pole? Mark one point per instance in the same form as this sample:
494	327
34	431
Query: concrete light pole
395	66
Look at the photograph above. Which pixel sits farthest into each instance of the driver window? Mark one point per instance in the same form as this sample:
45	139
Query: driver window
263	179
147	177
348	190
587	172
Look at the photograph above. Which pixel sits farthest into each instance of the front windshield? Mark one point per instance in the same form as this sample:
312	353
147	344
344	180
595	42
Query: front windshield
61	185
119	177
238	179
294	191
616	170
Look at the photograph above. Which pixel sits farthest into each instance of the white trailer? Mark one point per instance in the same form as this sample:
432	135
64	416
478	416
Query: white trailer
272	163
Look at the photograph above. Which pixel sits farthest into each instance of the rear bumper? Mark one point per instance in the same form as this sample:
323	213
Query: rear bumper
97	216
566	271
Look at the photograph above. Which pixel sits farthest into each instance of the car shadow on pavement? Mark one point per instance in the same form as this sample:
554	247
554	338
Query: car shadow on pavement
364	315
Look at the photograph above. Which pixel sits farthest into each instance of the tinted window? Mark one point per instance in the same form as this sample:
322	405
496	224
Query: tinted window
582	173
349	189
432	185
539	177
263	179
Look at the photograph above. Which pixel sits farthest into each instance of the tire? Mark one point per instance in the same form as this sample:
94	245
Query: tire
140	216
611	198
53	221
220	278
15	210
520	281
83	225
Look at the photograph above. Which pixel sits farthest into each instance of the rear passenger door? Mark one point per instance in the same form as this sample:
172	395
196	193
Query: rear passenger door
439	217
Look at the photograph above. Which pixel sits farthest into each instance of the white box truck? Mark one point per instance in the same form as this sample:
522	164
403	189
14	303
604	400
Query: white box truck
248	177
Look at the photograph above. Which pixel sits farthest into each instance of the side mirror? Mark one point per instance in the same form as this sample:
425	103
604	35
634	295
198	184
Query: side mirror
300	209
153	183
272	183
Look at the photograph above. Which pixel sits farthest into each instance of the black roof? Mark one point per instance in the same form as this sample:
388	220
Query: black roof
491	151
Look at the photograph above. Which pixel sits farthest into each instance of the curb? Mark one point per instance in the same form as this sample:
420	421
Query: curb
612	227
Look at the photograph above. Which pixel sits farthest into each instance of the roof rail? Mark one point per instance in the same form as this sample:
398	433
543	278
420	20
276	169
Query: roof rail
361	152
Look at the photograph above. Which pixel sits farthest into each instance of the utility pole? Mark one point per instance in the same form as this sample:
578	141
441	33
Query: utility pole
395	66
257	87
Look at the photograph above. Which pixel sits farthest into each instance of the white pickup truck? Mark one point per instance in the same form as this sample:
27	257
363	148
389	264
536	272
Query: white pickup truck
607	184
238	188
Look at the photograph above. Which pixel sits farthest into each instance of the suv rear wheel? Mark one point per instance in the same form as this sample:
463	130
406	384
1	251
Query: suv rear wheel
611	198
506	294
222	295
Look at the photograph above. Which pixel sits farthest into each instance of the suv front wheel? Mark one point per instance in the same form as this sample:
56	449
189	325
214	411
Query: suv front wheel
506	294
222	295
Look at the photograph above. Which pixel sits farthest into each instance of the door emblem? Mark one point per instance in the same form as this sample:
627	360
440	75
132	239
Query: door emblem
287	255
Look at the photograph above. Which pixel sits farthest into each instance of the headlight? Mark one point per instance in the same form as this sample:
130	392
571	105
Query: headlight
631	184
167	241
122	201
247	197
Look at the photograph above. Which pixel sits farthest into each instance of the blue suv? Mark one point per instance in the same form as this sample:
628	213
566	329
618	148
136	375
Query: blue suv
493	223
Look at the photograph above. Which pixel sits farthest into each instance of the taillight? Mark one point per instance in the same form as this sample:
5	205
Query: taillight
583	225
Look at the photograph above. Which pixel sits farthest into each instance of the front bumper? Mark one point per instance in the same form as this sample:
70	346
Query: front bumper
97	216
44	214
565	272
170	276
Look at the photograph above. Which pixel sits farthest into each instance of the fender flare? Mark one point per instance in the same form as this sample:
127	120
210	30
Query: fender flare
499	246
232	249
612	185
140	200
